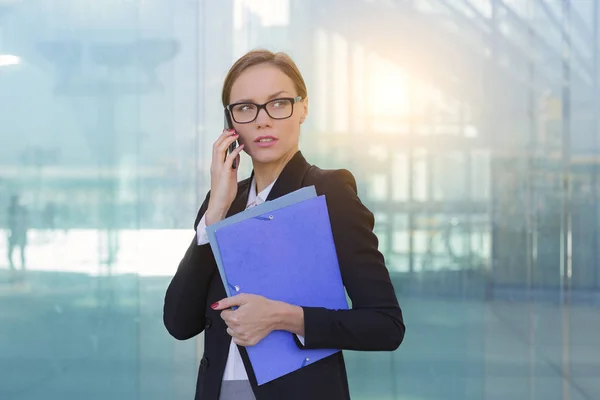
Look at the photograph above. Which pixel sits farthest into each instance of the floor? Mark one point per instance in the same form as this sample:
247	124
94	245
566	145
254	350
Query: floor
67	335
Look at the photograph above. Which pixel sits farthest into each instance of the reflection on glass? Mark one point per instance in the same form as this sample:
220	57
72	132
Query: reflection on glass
472	128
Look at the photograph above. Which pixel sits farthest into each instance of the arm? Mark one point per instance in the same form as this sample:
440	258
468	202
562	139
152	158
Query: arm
375	321
185	300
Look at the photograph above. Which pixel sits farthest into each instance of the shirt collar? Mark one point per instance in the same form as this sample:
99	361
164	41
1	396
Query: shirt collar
262	196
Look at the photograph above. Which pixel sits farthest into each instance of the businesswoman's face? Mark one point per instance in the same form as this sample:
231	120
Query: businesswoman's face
272	135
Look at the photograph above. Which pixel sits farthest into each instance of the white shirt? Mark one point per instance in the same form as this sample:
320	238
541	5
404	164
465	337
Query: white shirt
234	368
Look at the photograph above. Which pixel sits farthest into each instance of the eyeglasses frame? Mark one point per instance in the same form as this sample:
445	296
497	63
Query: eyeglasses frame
259	107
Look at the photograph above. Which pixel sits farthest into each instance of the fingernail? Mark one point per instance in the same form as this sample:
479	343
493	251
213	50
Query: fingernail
230	130
215	305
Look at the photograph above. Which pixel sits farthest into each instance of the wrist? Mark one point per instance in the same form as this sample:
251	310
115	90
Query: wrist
288	317
213	216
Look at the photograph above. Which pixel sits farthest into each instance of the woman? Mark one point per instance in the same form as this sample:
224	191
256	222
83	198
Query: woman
267	100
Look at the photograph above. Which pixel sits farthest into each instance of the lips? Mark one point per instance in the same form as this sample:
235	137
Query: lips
265	141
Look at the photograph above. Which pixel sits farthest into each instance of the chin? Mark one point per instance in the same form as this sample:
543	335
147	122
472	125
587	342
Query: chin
266	156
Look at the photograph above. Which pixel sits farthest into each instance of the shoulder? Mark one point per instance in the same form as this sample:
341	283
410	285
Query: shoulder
340	189
328	180
338	185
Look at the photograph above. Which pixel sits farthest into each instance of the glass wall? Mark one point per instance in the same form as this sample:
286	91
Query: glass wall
471	127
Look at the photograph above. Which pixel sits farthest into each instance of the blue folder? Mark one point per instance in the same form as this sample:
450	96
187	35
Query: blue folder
283	251
297	196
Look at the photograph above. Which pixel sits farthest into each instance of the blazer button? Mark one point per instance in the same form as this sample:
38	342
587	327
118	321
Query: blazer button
204	363
208	323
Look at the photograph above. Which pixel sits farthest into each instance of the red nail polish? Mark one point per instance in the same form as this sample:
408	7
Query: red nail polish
215	305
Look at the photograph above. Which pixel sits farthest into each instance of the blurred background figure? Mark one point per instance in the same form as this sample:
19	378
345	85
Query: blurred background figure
17	230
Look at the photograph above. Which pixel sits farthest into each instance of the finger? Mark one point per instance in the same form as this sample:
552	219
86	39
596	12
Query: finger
220	155
217	144
234	155
221	146
244	341
230	318
224	135
221	305
226	315
232	332
228	302
224	146
240	339
227	132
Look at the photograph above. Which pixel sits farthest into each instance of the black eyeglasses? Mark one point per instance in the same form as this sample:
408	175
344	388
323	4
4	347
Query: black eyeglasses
281	108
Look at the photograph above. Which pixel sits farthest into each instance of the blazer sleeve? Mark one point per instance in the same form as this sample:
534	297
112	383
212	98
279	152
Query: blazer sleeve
375	321
185	300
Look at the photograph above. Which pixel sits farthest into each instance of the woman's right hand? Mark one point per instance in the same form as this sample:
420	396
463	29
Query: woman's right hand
223	178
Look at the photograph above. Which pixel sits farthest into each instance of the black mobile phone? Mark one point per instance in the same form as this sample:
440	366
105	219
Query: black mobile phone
232	146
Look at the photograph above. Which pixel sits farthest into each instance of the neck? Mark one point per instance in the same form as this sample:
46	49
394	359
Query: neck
266	173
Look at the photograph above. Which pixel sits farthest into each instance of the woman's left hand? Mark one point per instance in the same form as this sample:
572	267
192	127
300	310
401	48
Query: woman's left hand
254	318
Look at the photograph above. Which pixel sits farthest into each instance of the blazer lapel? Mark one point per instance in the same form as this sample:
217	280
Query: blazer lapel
289	180
291	177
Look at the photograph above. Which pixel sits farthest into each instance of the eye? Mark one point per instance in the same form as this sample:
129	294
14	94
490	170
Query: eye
244	107
280	103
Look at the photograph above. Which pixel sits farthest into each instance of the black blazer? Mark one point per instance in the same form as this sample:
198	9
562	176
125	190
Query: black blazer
374	323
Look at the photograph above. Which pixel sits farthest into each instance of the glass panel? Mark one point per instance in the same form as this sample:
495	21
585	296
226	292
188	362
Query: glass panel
471	128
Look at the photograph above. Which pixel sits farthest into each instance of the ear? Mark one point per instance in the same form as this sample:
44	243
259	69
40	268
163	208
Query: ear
304	109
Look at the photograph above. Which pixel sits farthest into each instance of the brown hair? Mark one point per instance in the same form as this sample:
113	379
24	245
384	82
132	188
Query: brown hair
261	56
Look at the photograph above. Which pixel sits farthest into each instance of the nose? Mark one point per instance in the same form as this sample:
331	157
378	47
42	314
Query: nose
263	119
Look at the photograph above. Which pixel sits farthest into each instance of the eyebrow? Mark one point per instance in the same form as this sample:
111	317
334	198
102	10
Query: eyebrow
271	97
